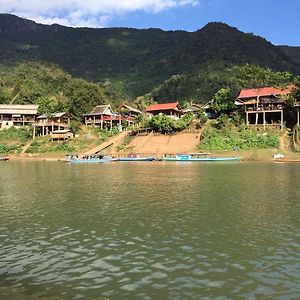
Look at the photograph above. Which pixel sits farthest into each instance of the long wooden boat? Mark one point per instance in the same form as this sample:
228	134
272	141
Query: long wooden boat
88	159
199	157
136	158
4	158
287	160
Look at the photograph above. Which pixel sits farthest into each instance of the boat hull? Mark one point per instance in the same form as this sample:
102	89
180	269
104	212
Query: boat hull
5	158
202	159
285	160
136	159
88	161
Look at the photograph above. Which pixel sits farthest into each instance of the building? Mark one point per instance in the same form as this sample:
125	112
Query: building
61	134
105	118
264	106
172	110
297	106
193	108
17	115
47	124
128	111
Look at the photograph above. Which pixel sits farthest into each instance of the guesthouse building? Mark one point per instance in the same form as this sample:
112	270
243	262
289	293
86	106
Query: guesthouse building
264	106
103	116
172	110
17	115
49	123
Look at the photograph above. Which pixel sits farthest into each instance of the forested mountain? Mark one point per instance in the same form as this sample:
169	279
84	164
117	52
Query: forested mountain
135	62
292	52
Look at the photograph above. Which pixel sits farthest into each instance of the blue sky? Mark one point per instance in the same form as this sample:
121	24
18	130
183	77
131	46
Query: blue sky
275	20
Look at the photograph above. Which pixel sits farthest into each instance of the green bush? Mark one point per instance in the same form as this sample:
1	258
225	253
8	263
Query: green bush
246	139
163	124
10	148
13	133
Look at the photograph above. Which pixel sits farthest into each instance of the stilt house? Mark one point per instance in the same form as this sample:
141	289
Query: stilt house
264	106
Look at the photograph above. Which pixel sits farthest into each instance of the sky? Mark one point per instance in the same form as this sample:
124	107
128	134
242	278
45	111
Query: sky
276	20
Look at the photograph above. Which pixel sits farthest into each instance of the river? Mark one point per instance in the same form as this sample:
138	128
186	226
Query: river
150	230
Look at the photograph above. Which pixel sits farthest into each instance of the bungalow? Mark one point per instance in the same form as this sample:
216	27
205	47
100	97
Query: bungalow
17	115
193	108
128	111
61	134
297	106
103	116
172	110
46	124
264	106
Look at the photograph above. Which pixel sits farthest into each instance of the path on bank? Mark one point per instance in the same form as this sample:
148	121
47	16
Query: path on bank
114	141
284	144
24	149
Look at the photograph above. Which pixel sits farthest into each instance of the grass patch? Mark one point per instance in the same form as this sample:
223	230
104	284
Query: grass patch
235	138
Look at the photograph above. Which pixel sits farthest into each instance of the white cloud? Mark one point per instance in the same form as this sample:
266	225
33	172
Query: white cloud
91	13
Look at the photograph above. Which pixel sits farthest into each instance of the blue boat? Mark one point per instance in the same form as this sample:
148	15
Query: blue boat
136	158
74	158
198	157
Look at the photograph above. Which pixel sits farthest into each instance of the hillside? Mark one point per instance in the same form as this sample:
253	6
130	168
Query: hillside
131	61
292	52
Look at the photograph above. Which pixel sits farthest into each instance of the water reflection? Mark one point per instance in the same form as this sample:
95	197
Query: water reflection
149	230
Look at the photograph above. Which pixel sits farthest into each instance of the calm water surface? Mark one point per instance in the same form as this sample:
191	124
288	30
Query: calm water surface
149	231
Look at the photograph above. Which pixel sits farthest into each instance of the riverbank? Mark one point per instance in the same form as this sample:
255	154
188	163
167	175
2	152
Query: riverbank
254	155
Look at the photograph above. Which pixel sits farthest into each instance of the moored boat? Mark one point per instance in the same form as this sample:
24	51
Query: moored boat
134	157
198	157
4	158
287	160
74	158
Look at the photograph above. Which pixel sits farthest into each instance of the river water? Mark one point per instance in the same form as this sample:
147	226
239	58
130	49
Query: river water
149	230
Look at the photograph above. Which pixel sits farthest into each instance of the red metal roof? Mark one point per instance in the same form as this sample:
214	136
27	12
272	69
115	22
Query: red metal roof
265	91
164	106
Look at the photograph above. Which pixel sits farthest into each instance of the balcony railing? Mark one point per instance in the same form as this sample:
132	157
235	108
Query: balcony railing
277	107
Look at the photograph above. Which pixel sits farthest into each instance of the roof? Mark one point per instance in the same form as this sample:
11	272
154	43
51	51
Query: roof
192	108
130	108
26	109
100	110
53	115
265	91
164	106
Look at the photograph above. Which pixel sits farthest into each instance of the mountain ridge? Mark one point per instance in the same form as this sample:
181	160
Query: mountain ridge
137	60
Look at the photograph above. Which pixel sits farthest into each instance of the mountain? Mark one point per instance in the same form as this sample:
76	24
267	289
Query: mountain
292	52
135	61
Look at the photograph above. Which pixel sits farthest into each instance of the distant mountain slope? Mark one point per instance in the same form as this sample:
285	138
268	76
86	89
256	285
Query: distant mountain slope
292	52
135	60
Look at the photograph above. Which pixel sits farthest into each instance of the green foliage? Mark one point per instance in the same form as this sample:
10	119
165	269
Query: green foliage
51	88
163	124
245	139
7	149
202	84
75	126
296	91
16	134
223	101
254	76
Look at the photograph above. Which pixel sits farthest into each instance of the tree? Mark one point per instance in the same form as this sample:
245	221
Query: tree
223	101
